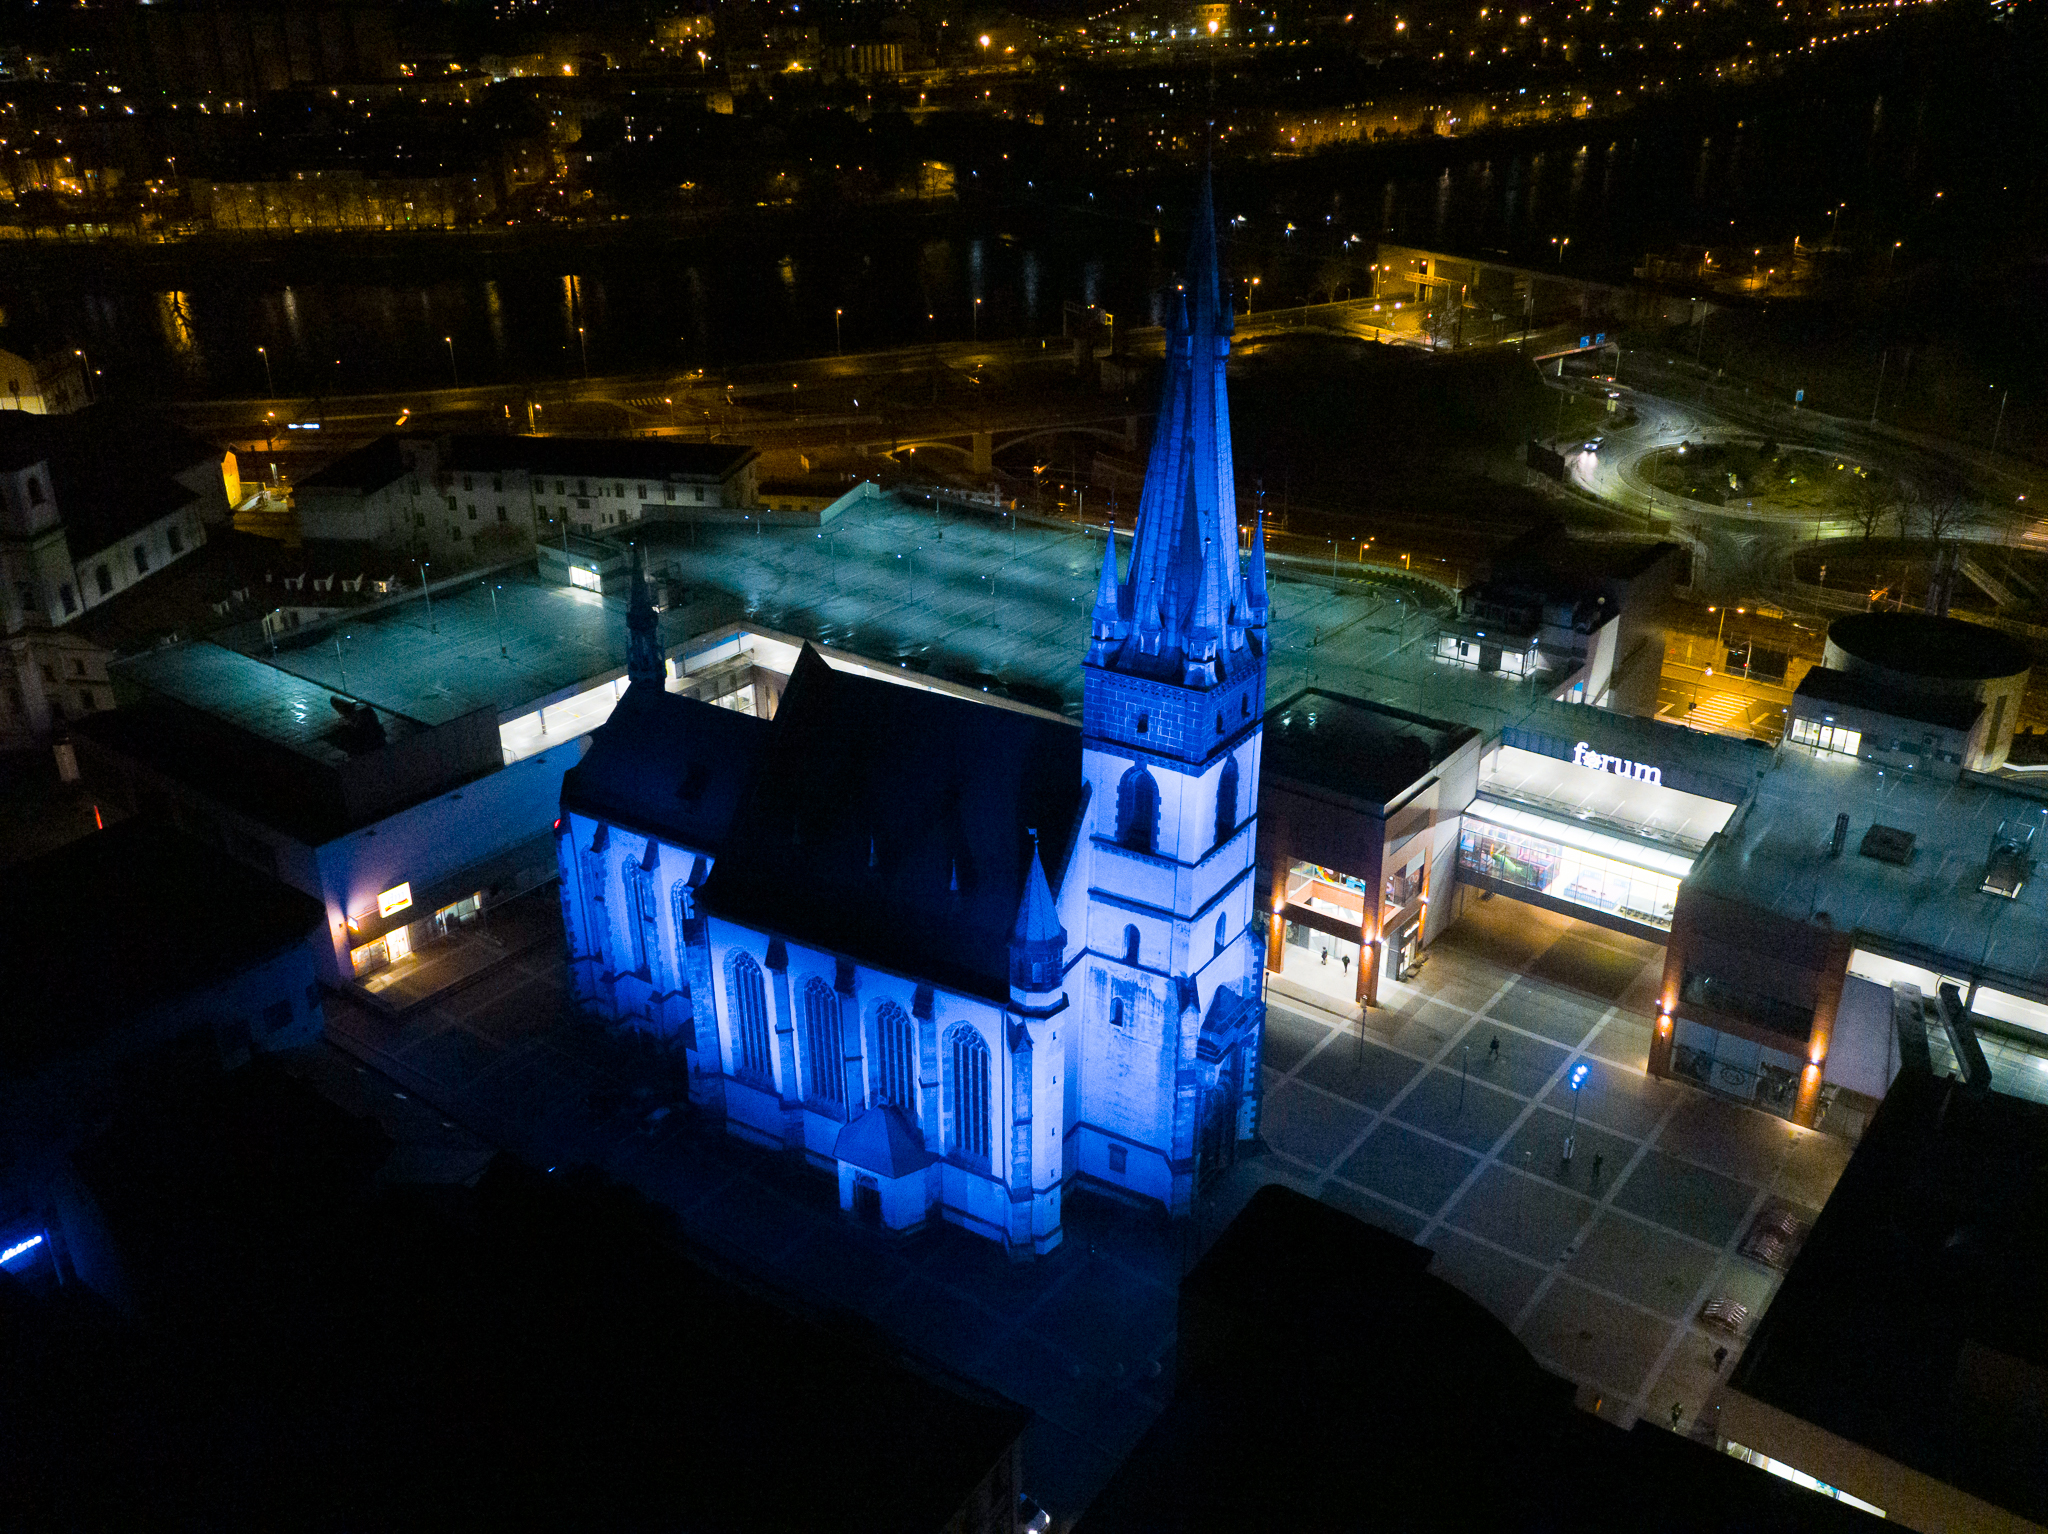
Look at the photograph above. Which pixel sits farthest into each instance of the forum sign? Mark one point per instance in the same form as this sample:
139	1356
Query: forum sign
1584	755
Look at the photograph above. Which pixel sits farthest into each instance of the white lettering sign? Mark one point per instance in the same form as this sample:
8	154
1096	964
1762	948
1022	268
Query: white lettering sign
1584	755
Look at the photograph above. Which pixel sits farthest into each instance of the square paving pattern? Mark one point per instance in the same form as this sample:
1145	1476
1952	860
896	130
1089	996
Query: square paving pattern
1411	1123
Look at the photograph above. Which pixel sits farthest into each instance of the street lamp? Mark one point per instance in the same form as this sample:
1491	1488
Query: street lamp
342	664
1578	1080
2000	427
583	346
495	622
427	592
449	342
977	321
836	313
269	383
1560	244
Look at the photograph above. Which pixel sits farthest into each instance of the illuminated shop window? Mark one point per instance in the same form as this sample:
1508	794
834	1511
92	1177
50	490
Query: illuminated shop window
1578	875
1826	737
1328	891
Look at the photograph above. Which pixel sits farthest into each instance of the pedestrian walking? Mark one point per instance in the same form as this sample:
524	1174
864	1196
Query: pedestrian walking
1720	1358
1677	1411
1596	1166
1493	1051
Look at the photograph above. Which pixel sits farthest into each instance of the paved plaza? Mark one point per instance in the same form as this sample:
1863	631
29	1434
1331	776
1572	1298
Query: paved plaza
1600	1266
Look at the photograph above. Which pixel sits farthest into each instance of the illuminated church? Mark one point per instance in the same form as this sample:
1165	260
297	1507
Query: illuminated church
963	954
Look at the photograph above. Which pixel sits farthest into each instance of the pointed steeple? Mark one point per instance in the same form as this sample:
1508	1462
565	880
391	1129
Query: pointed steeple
1038	944
1257	606
643	634
1107	621
1177	609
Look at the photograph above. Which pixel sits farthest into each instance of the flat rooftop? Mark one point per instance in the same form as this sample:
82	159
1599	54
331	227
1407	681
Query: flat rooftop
952	595
1777	858
436	659
1350	746
1911	1320
269	703
1849	689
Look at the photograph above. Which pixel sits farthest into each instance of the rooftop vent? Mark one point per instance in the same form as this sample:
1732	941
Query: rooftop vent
1888	844
2009	862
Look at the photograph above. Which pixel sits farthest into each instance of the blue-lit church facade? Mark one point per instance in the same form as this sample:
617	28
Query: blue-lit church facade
959	954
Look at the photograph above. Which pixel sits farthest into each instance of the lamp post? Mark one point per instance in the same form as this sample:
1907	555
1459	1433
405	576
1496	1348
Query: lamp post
341	663
269	383
1578	1080
449	342
583	346
837	314
496	622
1997	430
427	592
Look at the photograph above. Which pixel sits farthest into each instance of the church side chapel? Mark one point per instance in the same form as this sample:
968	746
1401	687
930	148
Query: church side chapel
960	954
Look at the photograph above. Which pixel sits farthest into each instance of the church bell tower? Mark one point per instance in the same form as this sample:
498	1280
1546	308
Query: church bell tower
1174	696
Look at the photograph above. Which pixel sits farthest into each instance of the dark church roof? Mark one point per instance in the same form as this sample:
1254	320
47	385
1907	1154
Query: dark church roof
892	825
670	765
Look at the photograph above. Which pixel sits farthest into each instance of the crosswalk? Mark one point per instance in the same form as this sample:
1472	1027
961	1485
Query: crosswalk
1722	711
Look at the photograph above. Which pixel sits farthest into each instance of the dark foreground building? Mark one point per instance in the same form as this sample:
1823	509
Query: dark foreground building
1905	1359
307	1346
1328	1381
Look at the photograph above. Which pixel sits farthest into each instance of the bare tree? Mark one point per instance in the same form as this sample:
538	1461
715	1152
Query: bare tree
1945	514
1867	503
1442	317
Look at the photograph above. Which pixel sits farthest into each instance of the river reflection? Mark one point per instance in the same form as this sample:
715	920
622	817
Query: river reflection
1596	194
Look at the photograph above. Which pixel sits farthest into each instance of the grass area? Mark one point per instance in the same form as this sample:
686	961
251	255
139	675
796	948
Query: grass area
1791	478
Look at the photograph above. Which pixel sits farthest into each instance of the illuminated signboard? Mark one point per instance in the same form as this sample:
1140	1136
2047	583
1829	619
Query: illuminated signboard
394	900
20	1248
1584	755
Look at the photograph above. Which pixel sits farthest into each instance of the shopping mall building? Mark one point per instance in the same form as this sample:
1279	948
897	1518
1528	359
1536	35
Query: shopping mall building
1823	905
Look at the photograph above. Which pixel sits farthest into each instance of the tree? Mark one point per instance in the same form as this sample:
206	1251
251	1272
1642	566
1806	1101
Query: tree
1944	514
1867	502
1441	318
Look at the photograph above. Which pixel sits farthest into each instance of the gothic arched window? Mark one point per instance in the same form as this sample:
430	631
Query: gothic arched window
749	1018
643	935
1137	811
967	1095
825	1054
1226	800
1222	922
896	1044
1130	945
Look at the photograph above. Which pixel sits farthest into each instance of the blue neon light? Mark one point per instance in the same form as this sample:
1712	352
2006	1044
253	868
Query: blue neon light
1579	1075
20	1247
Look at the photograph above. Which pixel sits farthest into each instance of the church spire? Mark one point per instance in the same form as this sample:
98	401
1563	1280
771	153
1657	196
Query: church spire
1107	620
1178	605
1038	944
1257	606
643	634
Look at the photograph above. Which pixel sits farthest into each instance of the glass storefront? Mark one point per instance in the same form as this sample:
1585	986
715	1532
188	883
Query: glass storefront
1736	1067
1826	737
1571	863
398	944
